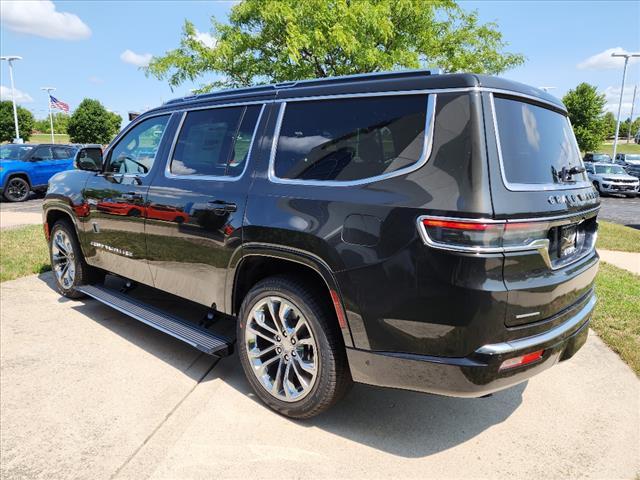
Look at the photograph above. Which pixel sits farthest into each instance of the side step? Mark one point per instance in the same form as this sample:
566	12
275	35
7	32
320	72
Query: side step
189	333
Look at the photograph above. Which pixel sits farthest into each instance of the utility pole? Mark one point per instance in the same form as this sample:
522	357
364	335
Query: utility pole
10	59
49	90
633	104
626	57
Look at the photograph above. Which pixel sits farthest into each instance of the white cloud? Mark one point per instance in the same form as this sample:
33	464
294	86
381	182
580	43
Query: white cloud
21	97
604	60
612	95
205	38
40	18
137	59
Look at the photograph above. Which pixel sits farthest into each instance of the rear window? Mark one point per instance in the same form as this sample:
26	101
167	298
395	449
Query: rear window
536	143
350	139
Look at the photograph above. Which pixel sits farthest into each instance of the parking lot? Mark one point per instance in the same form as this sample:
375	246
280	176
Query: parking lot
91	393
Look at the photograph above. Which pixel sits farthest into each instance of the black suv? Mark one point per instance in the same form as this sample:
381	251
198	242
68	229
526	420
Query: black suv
425	232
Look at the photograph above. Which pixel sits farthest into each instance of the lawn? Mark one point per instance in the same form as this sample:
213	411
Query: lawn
23	251
46	138
612	236
623	147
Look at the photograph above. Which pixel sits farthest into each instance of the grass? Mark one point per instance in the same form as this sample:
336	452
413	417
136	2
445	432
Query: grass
46	138
623	147
23	251
612	236
617	315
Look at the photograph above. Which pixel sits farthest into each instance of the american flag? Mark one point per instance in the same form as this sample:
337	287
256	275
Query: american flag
55	103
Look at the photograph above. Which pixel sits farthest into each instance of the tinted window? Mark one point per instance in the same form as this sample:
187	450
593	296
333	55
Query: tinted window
42	153
215	142
16	152
62	153
350	139
536	143
137	150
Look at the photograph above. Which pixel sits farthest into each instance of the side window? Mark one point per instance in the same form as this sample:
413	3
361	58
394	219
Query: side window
42	153
215	142
61	153
137	150
350	139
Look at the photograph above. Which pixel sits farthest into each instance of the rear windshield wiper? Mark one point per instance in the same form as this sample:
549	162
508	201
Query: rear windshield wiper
565	174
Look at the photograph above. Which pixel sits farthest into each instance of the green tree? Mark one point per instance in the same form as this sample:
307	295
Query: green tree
60	123
90	123
116	121
268	41
7	125
585	106
609	124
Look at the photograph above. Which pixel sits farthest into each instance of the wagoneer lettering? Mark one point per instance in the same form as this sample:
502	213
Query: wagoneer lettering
426	232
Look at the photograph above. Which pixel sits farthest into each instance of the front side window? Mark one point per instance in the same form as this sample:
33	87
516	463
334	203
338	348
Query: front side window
215	142
350	139
537	144
42	153
136	151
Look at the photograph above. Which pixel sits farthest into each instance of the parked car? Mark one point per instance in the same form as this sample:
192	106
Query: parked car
424	232
597	157
608	178
628	159
28	167
636	138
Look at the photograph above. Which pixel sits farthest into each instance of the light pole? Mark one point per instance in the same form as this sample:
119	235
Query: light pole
626	57
10	59
633	104
49	90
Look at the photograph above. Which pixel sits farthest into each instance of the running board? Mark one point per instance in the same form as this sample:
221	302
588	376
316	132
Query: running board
188	332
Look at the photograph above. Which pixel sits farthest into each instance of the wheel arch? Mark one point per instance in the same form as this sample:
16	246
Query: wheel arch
258	261
17	173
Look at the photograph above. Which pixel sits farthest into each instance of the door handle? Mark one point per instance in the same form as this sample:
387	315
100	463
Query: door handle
220	207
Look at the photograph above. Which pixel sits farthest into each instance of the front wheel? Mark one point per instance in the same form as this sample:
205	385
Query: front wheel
291	349
69	267
17	189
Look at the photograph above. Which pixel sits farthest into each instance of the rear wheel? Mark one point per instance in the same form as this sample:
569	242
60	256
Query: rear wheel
291	349
17	189
69	267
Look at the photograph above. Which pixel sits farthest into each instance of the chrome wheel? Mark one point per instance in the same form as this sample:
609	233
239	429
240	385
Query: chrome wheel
63	259
281	349
17	189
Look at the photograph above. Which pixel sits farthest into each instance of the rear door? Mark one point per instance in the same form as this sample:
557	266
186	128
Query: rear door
196	203
540	189
43	165
62	158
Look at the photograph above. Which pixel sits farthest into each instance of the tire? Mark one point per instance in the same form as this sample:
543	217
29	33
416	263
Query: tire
312	351
597	187
17	189
70	270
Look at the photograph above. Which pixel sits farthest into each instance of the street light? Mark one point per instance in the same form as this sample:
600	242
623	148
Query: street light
49	90
626	57
10	59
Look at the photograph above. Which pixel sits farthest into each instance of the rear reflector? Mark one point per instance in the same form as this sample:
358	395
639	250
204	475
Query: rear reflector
342	321
522	360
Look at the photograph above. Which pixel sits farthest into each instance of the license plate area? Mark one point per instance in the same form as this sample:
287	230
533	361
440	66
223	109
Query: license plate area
568	240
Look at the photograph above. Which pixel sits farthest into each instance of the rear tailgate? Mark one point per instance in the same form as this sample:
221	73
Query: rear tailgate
537	183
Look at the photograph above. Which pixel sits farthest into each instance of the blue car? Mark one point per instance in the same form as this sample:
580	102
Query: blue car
28	167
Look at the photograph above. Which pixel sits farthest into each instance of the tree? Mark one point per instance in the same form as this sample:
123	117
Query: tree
7	124
267	41
60	123
90	123
585	107
609	124
116	121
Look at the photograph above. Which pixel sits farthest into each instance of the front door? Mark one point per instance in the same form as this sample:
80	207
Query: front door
114	229
196	203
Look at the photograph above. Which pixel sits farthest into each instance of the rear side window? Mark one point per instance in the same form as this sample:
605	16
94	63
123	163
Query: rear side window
42	153
350	139
62	153
215	142
536	143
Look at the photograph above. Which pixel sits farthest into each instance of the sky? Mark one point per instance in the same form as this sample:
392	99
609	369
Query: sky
95	48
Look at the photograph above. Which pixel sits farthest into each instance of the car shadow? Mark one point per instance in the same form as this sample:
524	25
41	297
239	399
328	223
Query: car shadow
402	423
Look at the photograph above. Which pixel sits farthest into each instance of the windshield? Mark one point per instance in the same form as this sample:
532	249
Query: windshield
609	169
632	158
15	152
601	157
537	144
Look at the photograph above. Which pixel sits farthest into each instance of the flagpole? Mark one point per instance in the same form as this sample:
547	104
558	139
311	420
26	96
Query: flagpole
49	90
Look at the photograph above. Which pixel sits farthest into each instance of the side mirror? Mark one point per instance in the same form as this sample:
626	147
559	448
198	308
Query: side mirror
89	158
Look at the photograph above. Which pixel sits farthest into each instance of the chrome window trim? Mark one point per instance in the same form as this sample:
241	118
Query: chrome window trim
424	156
134	123
529	187
167	169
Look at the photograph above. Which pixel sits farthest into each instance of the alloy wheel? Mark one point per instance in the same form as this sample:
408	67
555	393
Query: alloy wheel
63	259
281	349
17	189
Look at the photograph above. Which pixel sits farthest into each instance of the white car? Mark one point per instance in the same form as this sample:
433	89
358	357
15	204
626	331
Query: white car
611	178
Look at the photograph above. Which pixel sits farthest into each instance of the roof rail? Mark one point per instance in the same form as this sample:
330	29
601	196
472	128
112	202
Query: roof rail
294	83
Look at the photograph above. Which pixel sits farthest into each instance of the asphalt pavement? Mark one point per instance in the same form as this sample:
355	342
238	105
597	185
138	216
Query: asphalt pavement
89	393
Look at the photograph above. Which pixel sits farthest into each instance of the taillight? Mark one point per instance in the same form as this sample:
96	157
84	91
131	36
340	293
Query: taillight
522	360
483	236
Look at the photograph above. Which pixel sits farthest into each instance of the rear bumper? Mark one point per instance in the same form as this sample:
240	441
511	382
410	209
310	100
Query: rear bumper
478	374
